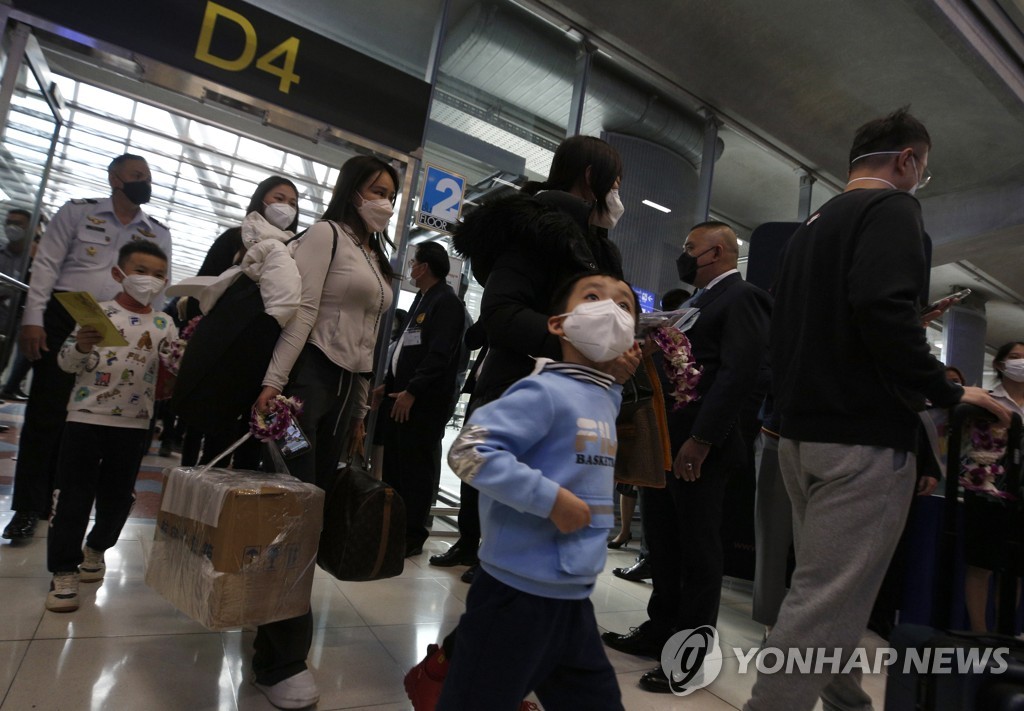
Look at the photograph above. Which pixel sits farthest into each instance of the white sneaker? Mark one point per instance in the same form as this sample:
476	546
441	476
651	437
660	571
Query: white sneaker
295	692
63	595
92	568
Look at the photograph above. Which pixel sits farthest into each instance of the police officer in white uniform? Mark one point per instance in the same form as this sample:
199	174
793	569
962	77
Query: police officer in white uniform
75	254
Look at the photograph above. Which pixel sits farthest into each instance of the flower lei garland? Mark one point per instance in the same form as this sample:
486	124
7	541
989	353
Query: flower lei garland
171	352
273	424
683	372
981	466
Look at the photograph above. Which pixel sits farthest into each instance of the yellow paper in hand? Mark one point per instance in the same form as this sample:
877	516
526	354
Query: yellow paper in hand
87	312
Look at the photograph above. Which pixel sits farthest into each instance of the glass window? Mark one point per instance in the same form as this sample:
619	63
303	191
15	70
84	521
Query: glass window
108	102
206	135
156	120
260	154
144	141
99	125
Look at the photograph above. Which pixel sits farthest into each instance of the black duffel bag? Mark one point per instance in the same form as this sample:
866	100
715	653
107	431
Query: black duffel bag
363	537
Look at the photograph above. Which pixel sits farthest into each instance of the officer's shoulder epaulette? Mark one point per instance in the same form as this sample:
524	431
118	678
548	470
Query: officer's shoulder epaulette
83	201
157	222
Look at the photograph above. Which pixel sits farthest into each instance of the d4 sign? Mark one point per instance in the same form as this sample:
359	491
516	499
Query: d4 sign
218	18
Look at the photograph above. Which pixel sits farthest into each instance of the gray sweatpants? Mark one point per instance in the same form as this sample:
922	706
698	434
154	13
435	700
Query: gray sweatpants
773	531
850	503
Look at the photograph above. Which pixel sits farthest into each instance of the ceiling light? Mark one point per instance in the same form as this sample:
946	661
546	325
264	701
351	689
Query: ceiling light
739	242
656	206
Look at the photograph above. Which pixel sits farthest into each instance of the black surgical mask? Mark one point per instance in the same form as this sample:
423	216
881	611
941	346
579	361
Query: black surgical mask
687	267
138	191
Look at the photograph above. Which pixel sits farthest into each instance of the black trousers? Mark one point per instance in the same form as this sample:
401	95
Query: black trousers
330	396
682	523
412	464
248	456
566	665
45	414
96	463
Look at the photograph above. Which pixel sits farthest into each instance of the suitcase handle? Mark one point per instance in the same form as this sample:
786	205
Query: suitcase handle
237	443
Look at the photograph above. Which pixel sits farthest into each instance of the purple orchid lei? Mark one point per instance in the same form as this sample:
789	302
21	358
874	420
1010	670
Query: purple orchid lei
273	424
982	469
682	370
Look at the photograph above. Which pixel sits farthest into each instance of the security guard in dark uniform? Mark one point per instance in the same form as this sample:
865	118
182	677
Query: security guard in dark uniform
420	390
76	253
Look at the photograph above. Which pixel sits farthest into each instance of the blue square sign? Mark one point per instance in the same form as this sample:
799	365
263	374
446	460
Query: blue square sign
441	199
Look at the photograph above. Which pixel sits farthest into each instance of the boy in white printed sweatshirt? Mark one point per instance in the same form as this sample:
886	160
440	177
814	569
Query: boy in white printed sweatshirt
543	458
108	426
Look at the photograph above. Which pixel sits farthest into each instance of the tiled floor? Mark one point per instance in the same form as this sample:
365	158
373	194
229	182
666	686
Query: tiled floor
127	648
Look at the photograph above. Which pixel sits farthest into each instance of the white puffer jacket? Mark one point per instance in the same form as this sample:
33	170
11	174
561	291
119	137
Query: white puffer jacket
268	261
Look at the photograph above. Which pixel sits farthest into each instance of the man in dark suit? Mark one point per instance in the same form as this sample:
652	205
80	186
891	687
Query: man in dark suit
420	389
683	520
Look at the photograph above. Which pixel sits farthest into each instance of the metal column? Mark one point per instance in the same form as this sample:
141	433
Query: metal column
803	210
707	166
584	56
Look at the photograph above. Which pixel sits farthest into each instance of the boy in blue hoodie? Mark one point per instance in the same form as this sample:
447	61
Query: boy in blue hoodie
543	458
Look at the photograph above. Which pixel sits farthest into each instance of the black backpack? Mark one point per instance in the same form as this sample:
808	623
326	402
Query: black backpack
221	372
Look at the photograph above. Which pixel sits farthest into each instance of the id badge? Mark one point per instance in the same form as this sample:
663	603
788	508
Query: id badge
413	338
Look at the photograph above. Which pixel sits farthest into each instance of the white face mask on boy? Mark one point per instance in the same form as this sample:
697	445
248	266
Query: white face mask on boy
141	287
600	330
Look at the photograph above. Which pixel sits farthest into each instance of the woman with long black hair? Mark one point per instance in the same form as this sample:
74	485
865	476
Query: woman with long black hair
324	357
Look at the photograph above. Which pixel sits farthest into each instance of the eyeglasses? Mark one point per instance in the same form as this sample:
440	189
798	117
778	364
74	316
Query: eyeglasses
925	178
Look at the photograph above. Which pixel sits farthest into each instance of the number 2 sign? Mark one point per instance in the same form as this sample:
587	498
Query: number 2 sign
441	199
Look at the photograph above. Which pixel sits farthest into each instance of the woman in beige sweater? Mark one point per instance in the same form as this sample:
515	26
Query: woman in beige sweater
324	357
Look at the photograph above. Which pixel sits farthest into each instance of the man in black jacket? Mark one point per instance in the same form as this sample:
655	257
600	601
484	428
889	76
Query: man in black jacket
683	520
420	388
850	365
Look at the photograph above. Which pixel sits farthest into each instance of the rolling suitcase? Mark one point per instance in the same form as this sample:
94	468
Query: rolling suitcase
995	680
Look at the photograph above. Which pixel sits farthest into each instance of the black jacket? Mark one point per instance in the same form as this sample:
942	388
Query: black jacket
850	360
729	341
521	250
222	253
428	370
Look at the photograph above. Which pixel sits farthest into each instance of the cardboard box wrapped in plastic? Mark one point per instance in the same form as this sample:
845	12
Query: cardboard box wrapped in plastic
235	548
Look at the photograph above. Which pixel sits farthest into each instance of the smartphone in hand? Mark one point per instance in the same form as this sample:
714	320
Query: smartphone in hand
294	441
955	297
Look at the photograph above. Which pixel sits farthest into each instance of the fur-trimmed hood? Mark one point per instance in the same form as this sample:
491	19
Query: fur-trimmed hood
552	226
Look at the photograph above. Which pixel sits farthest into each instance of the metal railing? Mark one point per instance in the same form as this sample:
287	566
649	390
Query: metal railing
11	281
